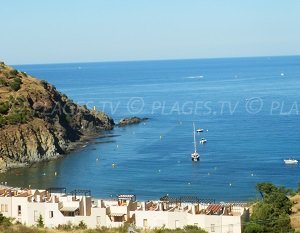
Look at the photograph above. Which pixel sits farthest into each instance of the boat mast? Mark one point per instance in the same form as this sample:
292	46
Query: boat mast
195	138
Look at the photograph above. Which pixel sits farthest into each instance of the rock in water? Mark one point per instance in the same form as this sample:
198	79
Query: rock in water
131	120
39	123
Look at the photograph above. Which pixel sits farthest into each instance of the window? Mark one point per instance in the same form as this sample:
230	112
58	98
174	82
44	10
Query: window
145	222
50	214
19	210
212	227
177	224
36	215
2	207
6	208
195	224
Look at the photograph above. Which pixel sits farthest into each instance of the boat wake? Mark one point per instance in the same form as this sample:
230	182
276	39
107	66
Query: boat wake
195	77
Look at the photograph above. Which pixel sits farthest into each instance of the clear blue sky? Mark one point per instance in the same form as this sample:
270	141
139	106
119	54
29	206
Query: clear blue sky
54	31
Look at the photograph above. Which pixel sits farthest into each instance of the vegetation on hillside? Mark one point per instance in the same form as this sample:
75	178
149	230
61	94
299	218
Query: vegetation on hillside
10	78
271	213
14	110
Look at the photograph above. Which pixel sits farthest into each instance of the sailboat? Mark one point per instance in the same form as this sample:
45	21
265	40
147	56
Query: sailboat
195	156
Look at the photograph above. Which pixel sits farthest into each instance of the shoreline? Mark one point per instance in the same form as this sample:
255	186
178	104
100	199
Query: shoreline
70	147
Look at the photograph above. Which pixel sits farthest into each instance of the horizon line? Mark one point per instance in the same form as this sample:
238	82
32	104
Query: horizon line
149	60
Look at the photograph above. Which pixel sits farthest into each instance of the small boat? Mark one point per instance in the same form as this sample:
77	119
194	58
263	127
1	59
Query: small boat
203	140
199	130
195	156
290	161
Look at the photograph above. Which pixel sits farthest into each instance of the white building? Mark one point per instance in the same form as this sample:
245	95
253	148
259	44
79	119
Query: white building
218	218
58	208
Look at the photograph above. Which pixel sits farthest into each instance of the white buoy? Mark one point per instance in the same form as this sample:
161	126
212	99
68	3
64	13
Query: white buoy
55	173
113	165
230	184
117	146
160	137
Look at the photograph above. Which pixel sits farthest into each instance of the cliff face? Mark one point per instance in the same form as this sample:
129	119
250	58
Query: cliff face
39	123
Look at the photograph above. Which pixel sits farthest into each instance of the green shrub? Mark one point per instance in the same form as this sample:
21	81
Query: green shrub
44	83
81	226
65	227
4	107
4	221
24	73
3	82
2	121
15	85
20	115
13	72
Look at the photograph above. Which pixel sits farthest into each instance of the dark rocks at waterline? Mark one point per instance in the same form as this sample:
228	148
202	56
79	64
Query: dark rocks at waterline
130	121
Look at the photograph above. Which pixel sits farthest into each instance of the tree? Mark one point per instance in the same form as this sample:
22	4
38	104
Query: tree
40	222
254	228
271	213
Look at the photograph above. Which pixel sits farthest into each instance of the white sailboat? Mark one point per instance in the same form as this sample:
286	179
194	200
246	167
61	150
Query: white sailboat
195	156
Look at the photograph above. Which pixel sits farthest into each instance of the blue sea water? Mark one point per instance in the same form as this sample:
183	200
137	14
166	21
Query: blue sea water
249	108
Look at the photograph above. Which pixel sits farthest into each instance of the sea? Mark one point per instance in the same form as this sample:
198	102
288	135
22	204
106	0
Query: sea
248	108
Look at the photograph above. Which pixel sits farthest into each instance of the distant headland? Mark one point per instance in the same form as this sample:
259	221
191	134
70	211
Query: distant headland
38	122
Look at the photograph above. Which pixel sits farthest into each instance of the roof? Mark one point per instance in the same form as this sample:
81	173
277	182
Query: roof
214	209
69	208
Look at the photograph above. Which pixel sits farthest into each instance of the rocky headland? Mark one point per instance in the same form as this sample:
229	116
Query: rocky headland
39	123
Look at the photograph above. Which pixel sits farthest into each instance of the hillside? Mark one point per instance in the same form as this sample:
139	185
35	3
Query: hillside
39	123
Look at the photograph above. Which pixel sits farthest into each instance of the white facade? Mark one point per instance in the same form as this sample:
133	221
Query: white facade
226	218
58	208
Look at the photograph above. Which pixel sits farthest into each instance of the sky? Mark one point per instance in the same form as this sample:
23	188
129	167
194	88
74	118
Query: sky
62	31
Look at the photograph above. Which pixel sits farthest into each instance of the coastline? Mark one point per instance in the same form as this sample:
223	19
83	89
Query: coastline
70	147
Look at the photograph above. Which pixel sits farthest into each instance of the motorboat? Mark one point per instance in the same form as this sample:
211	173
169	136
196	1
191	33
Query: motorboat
203	140
290	161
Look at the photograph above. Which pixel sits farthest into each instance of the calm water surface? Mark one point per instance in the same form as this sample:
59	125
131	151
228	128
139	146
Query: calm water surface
249	108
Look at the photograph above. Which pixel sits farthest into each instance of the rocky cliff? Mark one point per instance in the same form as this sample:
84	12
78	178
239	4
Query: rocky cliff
39	123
